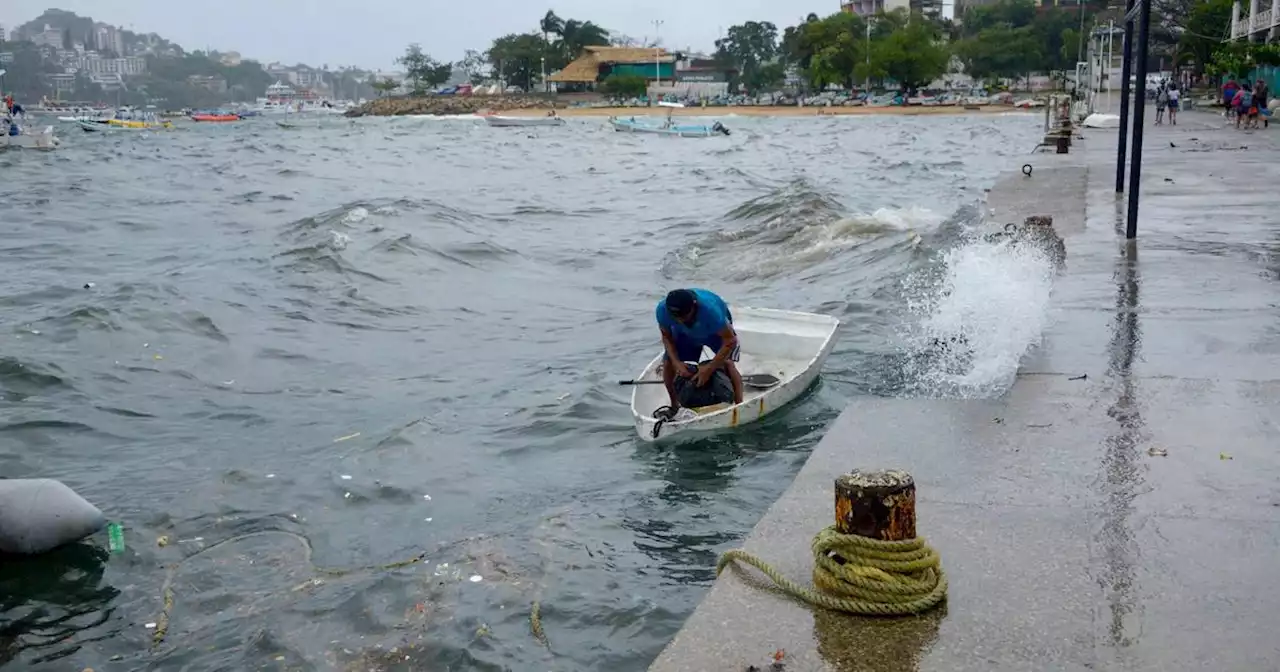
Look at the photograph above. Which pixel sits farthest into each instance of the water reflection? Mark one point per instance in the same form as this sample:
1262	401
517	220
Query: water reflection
884	645
1121	476
50	599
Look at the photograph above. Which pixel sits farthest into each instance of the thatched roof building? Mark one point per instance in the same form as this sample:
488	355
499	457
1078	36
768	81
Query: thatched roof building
596	63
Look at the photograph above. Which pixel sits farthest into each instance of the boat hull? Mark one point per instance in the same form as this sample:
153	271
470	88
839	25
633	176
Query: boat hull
522	122
678	130
790	345
45	140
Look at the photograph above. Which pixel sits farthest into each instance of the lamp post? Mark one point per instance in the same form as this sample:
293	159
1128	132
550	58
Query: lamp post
544	74
657	52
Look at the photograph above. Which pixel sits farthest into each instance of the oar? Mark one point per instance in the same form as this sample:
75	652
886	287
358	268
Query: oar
762	381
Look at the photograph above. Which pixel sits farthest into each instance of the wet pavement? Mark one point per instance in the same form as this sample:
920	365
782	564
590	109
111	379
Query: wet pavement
1126	519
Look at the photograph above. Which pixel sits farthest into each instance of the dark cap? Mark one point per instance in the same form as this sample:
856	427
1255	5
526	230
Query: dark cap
680	301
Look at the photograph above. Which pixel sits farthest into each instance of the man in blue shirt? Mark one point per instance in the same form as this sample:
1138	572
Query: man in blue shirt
689	320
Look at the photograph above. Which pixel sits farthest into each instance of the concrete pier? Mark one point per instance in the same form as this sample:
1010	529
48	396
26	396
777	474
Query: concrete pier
1119	507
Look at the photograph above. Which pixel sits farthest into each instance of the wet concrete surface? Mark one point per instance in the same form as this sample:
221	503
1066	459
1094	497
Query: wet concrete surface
1127	520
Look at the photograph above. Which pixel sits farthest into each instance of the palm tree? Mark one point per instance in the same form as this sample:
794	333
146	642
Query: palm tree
574	35
551	25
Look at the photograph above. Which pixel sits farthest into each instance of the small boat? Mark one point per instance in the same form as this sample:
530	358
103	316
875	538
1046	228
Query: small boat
215	117
286	124
522	122
123	125
668	128
138	125
787	346
43	140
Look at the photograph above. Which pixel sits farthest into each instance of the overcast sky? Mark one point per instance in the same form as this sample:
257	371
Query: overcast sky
372	33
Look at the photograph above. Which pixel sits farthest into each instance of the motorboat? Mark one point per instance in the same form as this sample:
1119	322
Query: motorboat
631	125
522	122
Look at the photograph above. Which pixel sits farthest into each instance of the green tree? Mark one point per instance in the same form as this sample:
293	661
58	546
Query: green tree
384	86
837	47
517	58
1204	30
913	53
551	25
749	48
425	72
475	64
575	36
1000	51
1011	13
629	86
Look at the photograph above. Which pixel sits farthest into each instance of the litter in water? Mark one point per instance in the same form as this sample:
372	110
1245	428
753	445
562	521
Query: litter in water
476	578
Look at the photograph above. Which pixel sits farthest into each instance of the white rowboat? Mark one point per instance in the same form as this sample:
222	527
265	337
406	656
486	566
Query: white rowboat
42	140
786	344
521	122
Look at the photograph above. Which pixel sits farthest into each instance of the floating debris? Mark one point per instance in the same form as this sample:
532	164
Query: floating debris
346	477
1157	452
476	578
1224	456
162	541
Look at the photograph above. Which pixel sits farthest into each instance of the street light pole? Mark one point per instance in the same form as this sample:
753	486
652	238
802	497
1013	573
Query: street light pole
544	74
657	66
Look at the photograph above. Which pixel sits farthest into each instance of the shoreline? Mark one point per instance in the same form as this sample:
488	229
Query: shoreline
760	111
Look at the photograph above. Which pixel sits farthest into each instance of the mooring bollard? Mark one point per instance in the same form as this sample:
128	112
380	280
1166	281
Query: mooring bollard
870	561
876	504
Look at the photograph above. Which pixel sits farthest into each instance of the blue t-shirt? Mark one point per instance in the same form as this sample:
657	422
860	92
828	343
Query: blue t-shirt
712	318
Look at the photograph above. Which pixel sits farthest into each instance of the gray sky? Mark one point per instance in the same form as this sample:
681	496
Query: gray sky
372	33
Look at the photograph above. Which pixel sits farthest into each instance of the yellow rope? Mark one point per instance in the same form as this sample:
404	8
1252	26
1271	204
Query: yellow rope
862	575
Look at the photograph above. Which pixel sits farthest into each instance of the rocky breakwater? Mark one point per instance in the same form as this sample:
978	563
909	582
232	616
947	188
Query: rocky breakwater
442	105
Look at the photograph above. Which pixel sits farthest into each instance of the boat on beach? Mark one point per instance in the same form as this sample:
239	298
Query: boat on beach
786	345
679	130
500	121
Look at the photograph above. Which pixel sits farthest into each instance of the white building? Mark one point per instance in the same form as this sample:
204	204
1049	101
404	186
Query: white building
109	38
93	63
1258	22
2	32
49	37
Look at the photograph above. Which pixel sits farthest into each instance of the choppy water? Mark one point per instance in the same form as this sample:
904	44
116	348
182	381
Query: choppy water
401	337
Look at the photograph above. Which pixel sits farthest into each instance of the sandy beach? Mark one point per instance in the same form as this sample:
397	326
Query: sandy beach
761	111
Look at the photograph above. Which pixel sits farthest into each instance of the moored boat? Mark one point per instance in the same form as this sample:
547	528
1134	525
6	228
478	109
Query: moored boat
522	122
789	346
668	128
43	140
215	117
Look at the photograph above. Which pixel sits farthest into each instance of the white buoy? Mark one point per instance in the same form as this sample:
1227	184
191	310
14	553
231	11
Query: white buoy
38	515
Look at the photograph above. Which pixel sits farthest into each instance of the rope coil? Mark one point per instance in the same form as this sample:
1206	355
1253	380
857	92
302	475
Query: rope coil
860	575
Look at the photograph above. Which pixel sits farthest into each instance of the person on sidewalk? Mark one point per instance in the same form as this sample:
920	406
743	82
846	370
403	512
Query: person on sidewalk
1173	96
1162	101
1229	91
1241	103
1261	96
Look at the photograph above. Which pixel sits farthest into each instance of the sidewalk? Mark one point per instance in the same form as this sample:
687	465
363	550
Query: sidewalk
1068	545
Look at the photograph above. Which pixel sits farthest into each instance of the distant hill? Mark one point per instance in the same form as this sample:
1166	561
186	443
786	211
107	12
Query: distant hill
84	30
51	50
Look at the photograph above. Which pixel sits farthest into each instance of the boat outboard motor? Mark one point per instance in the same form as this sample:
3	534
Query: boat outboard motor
719	128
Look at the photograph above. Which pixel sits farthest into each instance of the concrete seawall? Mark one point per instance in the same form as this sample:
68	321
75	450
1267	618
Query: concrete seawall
1129	519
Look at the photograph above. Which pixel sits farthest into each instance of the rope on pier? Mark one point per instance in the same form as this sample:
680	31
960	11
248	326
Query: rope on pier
860	575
